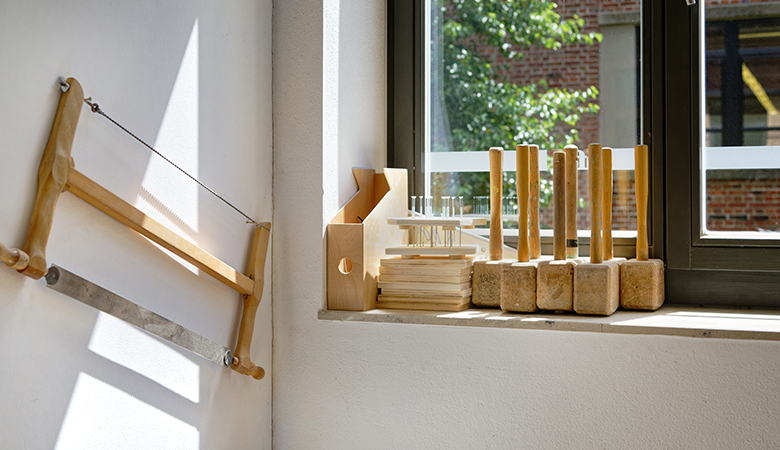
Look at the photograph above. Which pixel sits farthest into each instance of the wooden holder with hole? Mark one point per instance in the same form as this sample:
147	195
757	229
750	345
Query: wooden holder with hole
358	235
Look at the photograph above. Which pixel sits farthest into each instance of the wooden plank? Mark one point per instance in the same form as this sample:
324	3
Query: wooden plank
437	221
432	251
428	271
423	306
425	278
423	293
99	197
429	261
435	287
424	298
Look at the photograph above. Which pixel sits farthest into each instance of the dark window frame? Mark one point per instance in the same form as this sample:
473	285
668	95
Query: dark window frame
699	271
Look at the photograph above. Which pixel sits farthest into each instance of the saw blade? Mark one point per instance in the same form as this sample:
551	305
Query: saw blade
106	301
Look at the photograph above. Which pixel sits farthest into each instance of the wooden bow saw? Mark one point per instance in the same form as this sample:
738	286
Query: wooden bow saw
57	174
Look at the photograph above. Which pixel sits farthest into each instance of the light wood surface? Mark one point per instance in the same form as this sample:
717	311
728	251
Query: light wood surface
432	251
53	171
393	303
572	198
559	205
464	222
534	238
13	257
595	174
523	188
242	362
385	277
641	189
423	287
606	211
99	197
496	193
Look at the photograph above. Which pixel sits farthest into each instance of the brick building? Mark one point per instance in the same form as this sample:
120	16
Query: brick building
737	200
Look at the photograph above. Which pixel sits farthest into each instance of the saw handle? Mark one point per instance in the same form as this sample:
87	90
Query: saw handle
52	177
13	257
242	363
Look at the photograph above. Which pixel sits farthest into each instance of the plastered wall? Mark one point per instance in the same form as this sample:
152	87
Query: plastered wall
342	385
194	80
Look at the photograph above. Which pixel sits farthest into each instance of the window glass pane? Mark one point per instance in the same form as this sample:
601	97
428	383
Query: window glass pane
536	72
741	124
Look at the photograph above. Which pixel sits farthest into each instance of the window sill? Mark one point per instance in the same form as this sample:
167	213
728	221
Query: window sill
685	321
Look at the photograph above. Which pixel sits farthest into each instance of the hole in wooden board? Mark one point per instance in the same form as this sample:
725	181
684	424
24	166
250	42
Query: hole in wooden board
345	265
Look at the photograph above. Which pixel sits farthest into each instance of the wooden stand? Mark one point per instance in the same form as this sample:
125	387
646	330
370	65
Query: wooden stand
359	234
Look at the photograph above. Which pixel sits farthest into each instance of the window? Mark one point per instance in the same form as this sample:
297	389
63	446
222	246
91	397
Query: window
652	96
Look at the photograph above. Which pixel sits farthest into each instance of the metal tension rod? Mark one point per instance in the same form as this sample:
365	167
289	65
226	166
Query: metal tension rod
57	174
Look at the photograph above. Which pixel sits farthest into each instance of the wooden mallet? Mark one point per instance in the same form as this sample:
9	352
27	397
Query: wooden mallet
572	249
555	279
518	279
486	279
597	283
641	279
534	238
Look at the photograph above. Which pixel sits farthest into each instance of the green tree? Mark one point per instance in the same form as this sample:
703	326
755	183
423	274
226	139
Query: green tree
481	106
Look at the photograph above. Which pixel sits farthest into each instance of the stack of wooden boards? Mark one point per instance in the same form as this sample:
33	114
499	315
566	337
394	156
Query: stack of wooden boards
432	283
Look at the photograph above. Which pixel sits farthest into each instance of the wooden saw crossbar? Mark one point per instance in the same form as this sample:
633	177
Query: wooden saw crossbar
57	174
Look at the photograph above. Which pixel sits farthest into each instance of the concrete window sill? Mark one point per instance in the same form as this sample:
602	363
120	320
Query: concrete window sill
669	320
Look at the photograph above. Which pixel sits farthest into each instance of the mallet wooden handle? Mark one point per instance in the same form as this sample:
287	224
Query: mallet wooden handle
606	212
559	205
496	192
242	362
641	191
595	174
534	240
13	257
572	196
52	177
523	187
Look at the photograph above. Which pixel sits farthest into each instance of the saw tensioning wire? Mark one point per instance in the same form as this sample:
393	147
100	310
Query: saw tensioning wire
96	109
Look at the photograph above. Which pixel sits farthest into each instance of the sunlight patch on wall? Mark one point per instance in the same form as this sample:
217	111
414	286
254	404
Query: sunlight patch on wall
101	416
178	141
142	353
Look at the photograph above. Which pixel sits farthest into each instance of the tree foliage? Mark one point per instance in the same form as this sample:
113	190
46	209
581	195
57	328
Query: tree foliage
481	40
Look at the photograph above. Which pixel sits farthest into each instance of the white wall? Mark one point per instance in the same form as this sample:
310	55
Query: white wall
194	79
342	385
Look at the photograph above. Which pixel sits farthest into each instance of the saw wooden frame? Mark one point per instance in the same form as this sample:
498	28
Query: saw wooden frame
57	174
